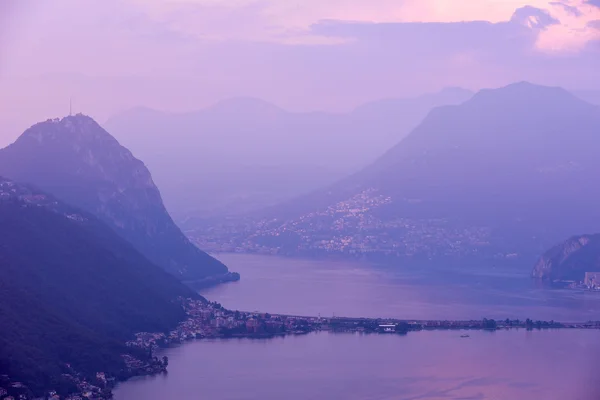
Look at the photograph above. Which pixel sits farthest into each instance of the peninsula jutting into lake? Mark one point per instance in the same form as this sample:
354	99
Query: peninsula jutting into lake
212	320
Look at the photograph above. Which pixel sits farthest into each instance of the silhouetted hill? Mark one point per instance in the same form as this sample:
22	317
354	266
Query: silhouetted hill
73	292
287	153
571	259
83	165
506	173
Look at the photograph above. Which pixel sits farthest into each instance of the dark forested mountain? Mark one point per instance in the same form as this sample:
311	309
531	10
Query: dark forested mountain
263	154
80	163
73	292
571	259
503	175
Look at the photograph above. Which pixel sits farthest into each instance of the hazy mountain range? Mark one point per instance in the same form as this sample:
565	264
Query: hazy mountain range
80	163
243	153
502	176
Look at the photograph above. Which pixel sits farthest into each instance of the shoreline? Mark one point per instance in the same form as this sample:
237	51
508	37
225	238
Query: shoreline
213	280
210	320
388	260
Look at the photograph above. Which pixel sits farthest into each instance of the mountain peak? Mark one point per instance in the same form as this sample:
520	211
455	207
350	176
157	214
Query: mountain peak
79	162
526	87
74	123
81	149
77	128
526	96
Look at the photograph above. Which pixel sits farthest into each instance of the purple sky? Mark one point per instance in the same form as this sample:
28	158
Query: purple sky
110	55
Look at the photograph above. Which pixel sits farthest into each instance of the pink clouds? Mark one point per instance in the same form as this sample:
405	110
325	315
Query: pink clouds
288	21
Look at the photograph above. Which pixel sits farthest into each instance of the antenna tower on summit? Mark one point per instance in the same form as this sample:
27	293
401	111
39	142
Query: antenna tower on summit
70	106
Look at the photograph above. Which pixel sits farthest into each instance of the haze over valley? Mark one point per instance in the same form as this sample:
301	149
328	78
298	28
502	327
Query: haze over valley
244	154
496	179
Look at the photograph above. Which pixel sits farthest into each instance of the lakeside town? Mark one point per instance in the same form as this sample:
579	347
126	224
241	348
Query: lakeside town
355	227
590	282
210	320
81	387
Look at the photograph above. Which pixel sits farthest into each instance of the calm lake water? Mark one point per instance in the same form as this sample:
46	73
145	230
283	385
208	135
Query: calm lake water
559	364
305	287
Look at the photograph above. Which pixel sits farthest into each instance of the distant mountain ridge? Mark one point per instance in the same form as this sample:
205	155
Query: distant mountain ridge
82	164
311	149
500	176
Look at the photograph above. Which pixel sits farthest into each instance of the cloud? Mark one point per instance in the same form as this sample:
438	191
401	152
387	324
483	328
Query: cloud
572	10
594	3
111	37
482	51
594	24
219	21
484	39
534	18
290	22
151	37
169	37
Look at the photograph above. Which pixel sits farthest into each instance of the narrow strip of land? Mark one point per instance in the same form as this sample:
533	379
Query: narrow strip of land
211	320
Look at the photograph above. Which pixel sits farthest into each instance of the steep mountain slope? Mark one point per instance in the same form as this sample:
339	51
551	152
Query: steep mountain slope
82	164
263	154
509	171
506	144
591	96
397	117
73	292
571	259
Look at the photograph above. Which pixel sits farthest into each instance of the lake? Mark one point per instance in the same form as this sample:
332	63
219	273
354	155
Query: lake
517	364
306	287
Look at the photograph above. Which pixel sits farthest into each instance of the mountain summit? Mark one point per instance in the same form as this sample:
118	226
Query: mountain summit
76	160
